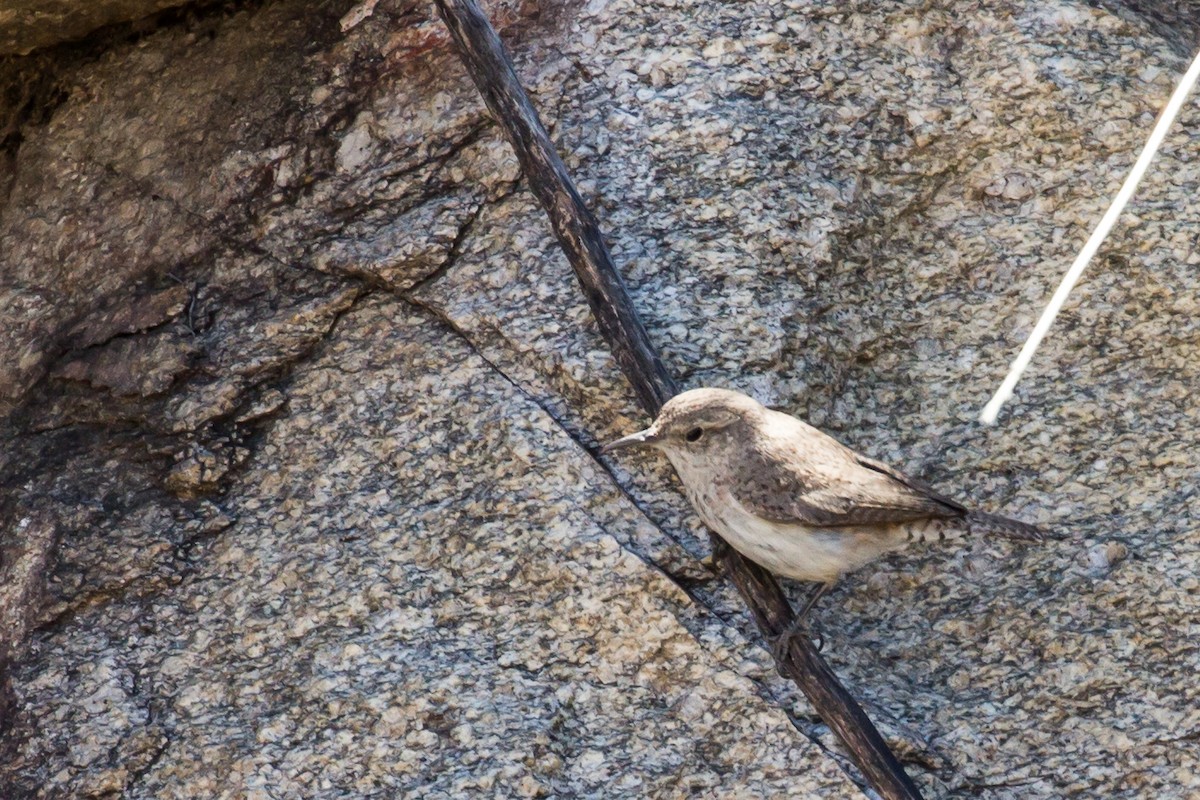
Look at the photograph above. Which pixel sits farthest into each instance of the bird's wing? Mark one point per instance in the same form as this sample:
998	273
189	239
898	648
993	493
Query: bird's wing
819	482
929	498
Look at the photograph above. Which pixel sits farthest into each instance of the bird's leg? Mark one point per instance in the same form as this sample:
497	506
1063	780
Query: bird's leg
719	548
816	595
799	624
716	558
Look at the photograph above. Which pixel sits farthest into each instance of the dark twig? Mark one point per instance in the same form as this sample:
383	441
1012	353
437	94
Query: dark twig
578	233
576	228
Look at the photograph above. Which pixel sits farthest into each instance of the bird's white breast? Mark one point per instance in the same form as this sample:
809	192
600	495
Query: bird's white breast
790	550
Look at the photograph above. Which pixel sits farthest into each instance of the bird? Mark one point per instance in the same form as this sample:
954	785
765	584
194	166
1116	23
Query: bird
793	499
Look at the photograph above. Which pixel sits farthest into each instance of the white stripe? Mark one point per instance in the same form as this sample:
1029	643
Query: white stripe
992	409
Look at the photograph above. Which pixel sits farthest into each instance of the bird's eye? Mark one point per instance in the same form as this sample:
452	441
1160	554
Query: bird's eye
694	434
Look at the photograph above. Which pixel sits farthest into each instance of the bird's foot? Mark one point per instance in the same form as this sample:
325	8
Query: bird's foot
783	642
715	559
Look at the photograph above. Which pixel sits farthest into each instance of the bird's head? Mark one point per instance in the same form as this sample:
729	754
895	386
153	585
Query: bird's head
697	422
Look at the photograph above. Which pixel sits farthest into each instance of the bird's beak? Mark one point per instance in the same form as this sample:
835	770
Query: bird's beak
645	438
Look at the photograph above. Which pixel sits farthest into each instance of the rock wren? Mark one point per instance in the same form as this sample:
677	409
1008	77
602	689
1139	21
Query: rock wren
793	499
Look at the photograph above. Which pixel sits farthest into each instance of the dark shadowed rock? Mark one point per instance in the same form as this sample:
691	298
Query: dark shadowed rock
29	24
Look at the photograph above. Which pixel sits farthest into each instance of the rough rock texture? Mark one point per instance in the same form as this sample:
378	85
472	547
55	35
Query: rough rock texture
303	398
29	24
1177	21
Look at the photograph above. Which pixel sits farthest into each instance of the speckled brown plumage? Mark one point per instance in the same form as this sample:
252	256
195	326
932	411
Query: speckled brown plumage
794	499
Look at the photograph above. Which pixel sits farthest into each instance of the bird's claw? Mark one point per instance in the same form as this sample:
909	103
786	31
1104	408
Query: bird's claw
715	561
783	642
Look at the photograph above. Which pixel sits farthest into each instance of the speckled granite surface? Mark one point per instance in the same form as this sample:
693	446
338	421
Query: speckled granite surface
417	595
330	520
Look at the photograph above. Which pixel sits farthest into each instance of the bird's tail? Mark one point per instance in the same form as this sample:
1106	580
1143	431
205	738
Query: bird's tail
982	522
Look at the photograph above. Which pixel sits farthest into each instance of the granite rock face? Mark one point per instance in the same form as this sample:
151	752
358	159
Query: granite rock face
302	496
